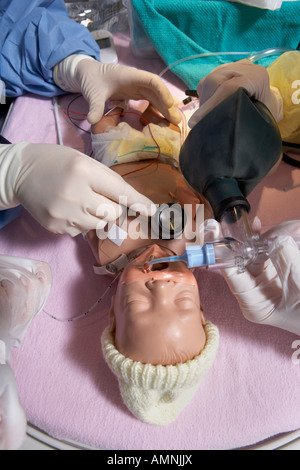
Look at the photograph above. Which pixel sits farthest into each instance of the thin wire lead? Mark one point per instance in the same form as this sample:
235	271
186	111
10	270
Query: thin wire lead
84	314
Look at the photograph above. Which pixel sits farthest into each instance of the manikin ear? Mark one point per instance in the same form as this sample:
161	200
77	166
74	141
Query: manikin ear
112	318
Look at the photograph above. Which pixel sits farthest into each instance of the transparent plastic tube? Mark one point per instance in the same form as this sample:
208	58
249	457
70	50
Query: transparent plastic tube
255	56
199	56
221	254
252	56
236	226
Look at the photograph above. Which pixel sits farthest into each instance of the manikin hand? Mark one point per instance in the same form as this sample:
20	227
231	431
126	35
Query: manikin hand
100	82
65	190
268	292
227	78
24	288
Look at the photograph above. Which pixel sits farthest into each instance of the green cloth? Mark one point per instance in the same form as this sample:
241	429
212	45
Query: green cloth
181	28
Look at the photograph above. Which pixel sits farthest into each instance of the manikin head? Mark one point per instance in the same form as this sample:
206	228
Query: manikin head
156	316
158	344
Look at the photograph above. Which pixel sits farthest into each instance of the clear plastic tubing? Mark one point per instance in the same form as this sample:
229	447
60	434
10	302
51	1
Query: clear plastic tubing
255	56
252	56
225	253
235	224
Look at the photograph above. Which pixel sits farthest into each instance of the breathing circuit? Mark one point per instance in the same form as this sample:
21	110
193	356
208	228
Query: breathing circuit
224	157
221	254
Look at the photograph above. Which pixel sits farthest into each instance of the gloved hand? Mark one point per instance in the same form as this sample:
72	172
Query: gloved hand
268	292
227	78
24	288
13	420
99	82
25	284
65	190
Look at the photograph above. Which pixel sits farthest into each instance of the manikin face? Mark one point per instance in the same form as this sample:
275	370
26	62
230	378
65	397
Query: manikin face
156	316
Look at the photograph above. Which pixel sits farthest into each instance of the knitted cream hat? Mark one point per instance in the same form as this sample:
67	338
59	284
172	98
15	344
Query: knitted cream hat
157	394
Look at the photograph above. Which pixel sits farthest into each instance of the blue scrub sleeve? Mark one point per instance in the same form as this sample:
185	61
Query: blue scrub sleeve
8	215
34	37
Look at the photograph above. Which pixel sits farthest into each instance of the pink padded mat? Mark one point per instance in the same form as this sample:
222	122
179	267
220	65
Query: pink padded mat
65	386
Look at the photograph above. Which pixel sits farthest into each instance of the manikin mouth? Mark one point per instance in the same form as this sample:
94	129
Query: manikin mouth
159	266
156	252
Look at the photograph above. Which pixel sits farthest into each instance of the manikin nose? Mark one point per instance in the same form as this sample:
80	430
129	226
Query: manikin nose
154	284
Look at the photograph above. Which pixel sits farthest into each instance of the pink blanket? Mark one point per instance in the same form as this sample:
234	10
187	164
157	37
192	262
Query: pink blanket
65	386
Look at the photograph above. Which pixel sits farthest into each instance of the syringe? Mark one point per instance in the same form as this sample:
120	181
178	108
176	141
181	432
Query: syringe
222	254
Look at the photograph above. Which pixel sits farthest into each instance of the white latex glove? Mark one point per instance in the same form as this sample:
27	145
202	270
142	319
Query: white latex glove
13	420
99	82
24	288
25	283
269	292
65	190
227	78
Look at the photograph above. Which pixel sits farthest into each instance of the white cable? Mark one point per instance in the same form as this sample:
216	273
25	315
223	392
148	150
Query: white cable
199	56
252	56
84	314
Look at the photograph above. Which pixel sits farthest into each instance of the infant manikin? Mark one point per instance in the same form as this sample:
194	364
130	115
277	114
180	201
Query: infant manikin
24	288
158	343
160	180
